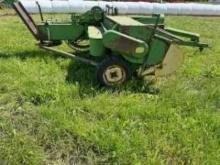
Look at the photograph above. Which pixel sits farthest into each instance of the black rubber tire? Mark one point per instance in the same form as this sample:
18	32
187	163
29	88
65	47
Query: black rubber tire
113	61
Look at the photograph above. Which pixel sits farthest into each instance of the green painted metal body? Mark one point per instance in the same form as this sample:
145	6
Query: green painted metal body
7	2
125	44
135	38
141	32
96	41
61	31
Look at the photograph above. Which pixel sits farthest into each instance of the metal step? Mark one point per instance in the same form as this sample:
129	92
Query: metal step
26	18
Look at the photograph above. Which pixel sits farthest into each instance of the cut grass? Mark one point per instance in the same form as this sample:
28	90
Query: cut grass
52	111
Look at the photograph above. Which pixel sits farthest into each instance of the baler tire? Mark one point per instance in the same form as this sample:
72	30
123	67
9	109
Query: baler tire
113	65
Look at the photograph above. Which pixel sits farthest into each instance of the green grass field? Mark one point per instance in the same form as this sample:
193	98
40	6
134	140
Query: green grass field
52	111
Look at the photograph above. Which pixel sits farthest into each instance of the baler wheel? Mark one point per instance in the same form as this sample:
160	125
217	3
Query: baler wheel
113	71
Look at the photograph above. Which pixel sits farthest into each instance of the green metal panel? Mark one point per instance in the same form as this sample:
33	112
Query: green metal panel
125	44
64	31
95	40
109	24
156	55
139	32
8	1
158	50
129	26
96	47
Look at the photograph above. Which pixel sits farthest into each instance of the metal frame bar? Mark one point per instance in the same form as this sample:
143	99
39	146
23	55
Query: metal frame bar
176	38
150	40
75	57
27	19
40	11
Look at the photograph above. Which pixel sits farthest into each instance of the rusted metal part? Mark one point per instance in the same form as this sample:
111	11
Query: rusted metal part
125	45
26	18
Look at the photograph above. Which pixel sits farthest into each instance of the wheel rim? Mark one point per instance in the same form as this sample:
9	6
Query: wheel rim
114	75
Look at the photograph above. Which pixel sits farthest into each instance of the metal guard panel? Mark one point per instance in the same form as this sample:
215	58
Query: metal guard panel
125	44
158	51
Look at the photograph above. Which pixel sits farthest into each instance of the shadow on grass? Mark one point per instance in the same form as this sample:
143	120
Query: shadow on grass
84	75
23	55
